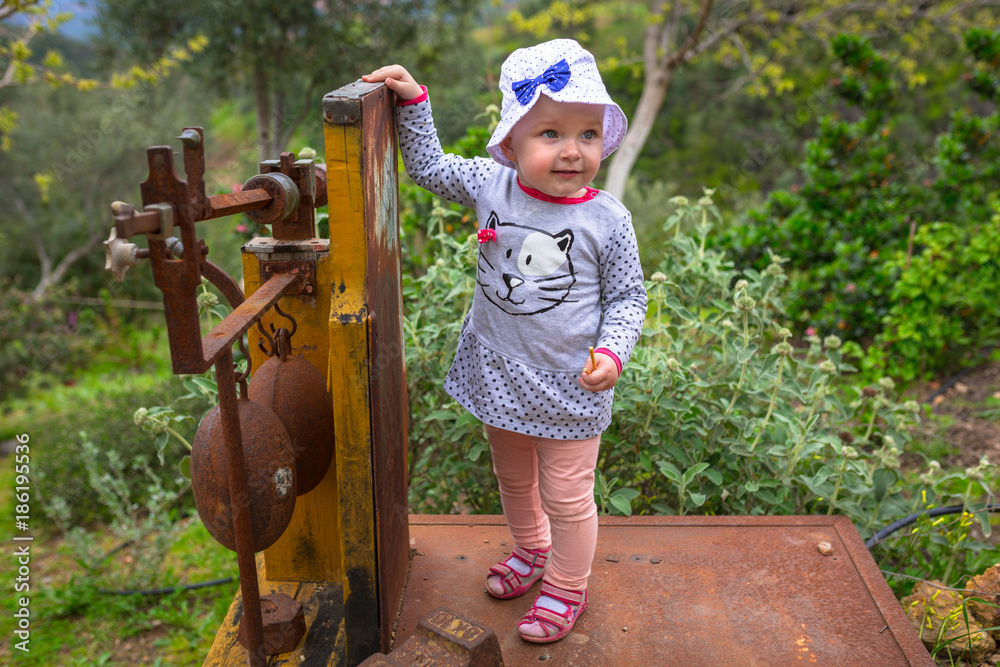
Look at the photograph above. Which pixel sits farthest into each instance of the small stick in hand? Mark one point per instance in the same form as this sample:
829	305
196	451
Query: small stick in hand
593	360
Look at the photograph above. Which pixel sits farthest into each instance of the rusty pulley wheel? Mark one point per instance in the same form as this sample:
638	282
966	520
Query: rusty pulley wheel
296	392
270	468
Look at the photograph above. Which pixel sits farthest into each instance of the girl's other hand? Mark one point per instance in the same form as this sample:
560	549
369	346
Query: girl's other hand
398	80
604	376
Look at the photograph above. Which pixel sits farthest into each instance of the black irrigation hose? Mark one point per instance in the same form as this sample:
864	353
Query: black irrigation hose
965	371
158	591
906	521
172	589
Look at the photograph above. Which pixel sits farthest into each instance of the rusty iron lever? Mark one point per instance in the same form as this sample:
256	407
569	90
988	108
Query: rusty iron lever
283	195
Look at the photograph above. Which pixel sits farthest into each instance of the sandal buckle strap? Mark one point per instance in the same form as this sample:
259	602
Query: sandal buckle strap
569	597
533	558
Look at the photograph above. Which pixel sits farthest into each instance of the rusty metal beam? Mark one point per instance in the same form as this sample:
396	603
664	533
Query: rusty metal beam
246	315
236	474
236	202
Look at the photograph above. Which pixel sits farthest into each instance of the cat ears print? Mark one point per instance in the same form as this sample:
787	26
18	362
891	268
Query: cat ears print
564	239
489	232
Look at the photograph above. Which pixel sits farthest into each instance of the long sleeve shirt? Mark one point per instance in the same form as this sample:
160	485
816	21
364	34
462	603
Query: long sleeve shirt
554	277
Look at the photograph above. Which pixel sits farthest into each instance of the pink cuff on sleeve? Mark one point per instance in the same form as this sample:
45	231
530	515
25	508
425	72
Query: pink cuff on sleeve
416	100
618	362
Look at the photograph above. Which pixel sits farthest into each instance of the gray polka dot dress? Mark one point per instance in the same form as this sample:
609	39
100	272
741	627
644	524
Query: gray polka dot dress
554	277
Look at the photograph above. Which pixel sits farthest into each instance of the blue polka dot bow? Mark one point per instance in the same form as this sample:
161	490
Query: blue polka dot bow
555	77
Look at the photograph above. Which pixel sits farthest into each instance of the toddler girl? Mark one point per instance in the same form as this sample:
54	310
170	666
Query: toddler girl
558	273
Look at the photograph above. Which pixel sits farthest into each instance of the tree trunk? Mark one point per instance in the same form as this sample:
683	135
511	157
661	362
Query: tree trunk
286	125
654	90
262	109
660	61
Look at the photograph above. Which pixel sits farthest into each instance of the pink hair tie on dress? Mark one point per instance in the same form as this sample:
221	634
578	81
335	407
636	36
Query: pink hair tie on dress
487	235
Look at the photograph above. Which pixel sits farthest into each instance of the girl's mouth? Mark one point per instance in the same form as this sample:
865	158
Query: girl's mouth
566	174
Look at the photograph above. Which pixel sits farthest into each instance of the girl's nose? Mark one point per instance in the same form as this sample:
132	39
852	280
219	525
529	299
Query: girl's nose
570	150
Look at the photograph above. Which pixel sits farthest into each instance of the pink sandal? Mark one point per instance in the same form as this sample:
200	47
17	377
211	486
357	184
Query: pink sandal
513	582
556	625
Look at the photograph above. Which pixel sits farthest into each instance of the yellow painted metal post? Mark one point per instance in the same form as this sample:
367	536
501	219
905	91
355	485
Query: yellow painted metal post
366	366
309	549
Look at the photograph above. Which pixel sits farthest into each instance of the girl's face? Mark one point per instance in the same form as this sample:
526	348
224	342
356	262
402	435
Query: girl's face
556	147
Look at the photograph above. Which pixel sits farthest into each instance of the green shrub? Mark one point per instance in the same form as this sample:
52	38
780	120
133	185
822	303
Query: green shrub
719	414
46	340
716	413
944	301
448	448
846	227
143	511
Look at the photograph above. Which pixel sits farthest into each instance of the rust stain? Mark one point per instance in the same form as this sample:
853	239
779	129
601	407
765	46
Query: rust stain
750	589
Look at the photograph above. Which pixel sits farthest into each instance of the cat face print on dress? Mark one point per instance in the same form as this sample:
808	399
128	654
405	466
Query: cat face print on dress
525	271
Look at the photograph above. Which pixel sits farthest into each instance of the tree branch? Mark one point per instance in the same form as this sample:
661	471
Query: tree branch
716	37
67	261
6	11
694	38
44	261
8	76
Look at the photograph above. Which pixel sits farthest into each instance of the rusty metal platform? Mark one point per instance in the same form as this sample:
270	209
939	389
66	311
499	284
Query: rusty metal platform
682	591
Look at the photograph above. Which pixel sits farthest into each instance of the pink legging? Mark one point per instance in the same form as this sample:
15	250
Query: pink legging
547	490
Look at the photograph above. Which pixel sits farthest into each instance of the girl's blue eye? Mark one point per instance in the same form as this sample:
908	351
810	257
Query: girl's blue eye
549	134
590	134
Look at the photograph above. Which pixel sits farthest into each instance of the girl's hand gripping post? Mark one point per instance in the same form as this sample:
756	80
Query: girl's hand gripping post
398	79
600	372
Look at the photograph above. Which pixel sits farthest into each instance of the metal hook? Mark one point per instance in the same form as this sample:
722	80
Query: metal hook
241	378
288	317
271	348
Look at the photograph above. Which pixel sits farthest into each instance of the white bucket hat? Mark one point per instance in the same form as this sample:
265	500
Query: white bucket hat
565	72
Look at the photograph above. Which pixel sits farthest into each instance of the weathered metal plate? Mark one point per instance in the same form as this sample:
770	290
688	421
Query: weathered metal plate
682	591
385	348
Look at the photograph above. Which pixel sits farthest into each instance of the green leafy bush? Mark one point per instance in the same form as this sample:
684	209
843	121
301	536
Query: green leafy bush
946	547
716	412
143	519
448	448
944	301
719	414
864	191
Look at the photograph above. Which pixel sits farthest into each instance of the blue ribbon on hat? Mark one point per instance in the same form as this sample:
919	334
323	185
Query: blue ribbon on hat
555	77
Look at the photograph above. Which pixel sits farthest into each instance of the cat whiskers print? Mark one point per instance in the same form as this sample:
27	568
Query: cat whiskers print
525	271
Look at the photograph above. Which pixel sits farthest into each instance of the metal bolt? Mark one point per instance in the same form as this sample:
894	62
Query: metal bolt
190	138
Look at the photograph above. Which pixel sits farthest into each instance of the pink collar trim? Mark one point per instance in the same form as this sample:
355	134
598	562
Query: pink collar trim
537	194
